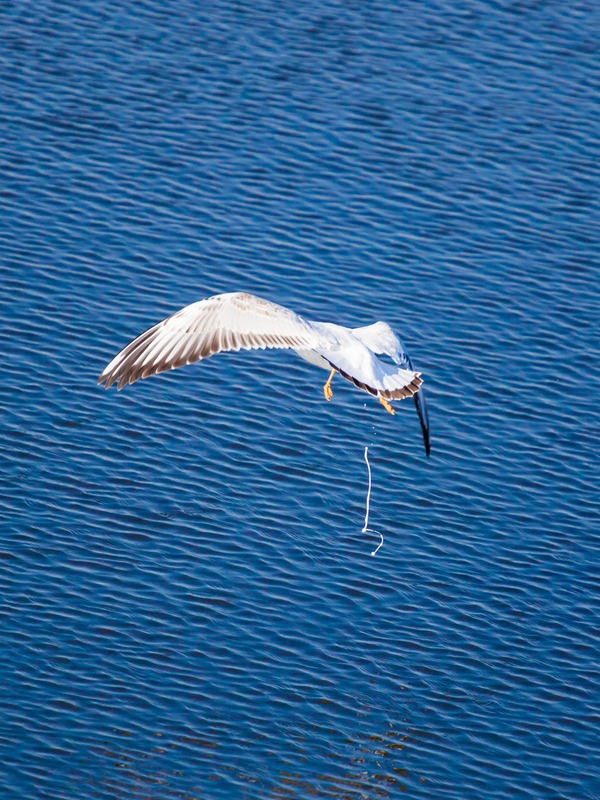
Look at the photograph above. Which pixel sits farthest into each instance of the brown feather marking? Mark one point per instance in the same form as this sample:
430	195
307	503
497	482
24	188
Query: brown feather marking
388	394
355	381
129	353
204	349
406	391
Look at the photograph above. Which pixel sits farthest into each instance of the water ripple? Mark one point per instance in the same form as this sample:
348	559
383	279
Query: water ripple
189	607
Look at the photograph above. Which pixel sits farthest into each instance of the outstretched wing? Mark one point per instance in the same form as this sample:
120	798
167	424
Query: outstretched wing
233	321
381	339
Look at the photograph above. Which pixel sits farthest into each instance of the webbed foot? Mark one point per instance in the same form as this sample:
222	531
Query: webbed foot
327	388
386	405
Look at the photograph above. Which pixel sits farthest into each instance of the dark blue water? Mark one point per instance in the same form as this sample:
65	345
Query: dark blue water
188	606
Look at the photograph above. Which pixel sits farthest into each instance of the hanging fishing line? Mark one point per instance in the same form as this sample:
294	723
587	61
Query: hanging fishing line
366	525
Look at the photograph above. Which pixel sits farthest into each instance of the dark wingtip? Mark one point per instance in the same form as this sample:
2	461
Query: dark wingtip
421	406
107	380
427	443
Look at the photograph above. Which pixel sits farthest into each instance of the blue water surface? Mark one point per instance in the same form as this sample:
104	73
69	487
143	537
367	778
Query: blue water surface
189	608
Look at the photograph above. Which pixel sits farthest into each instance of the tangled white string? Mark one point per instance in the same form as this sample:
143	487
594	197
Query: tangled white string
366	525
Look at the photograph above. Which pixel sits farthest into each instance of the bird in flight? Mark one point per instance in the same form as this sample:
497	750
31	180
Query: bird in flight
241	321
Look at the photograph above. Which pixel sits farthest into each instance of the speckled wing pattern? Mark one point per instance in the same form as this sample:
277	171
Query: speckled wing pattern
233	321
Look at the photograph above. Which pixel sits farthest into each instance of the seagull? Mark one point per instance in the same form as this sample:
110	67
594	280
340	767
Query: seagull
242	321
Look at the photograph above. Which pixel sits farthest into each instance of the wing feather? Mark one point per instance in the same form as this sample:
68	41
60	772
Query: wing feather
233	321
380	338
373	375
356	361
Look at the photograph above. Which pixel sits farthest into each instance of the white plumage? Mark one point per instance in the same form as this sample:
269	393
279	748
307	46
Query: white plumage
241	321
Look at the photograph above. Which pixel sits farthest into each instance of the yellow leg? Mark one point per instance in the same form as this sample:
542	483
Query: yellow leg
386	405
327	388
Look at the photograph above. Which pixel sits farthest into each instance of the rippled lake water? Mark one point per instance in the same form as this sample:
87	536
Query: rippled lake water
189	606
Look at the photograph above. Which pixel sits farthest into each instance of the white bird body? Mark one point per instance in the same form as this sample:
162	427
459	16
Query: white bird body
313	358
241	321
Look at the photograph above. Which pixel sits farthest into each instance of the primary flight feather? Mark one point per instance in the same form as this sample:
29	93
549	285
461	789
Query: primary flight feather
241	321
